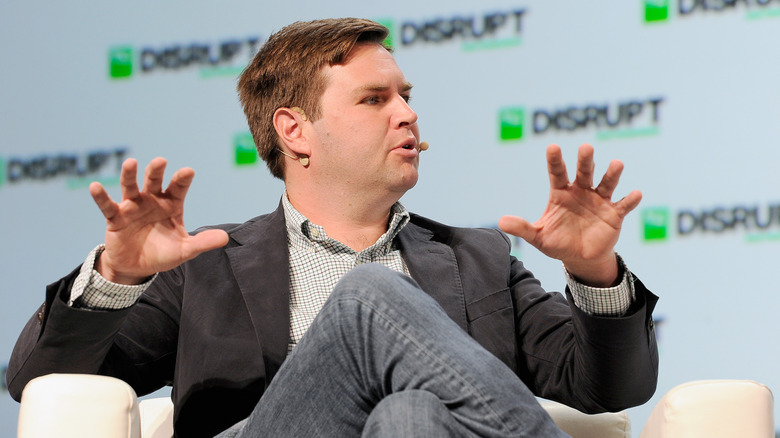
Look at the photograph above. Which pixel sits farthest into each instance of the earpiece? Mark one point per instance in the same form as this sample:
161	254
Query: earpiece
303	159
298	110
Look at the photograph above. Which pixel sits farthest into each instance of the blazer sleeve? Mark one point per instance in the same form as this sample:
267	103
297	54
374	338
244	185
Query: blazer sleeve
136	344
592	363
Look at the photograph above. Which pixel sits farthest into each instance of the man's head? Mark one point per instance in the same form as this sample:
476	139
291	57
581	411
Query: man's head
287	72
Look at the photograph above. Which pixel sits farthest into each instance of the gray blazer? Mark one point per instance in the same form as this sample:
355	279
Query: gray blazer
217	327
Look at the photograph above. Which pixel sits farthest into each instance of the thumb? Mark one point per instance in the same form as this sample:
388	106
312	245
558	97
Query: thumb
517	226
205	241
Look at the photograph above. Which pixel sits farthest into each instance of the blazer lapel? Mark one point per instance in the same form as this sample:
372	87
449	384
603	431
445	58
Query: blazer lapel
260	265
434	266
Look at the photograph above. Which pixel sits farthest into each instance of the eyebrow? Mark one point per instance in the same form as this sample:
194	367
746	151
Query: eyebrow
405	87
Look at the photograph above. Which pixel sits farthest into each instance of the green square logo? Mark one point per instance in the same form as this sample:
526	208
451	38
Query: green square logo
510	121
120	62
656	10
244	147
390	25
655	223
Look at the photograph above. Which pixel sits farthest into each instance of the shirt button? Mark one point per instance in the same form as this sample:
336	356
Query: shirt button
315	232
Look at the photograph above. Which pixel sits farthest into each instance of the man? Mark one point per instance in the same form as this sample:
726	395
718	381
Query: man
274	324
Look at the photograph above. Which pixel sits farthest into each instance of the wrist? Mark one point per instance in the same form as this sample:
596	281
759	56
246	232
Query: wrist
104	269
602	273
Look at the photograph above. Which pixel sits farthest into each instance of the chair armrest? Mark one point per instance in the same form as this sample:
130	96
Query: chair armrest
713	409
78	406
579	425
156	417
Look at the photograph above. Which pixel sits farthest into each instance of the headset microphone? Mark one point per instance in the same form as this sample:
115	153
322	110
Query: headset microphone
423	146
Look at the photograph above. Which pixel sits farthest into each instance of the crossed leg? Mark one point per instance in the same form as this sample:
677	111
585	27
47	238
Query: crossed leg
382	352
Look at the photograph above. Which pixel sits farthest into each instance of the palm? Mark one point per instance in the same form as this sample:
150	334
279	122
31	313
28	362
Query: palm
580	225
576	221
145	232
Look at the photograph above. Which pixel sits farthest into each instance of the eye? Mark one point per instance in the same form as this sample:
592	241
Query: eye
407	97
372	100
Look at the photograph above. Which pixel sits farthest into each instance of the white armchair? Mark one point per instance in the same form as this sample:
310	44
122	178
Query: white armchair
83	406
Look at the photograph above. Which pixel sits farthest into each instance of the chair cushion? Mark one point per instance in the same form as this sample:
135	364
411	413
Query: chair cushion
157	417
579	425
78	406
713	409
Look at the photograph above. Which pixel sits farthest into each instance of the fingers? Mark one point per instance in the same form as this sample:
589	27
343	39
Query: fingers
153	176
585	173
585	167
153	179
627	204
107	206
610	179
177	188
559	178
608	183
127	180
180	183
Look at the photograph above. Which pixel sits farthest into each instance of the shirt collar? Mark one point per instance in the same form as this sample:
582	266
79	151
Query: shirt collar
299	227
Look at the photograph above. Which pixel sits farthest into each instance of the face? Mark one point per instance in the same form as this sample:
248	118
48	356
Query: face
366	138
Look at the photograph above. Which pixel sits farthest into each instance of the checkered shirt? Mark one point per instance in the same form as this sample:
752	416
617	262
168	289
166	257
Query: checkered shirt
317	262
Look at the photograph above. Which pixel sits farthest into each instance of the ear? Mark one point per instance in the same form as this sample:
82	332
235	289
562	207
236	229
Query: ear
290	127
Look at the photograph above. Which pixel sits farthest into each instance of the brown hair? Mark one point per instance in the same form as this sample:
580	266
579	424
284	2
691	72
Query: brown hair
287	71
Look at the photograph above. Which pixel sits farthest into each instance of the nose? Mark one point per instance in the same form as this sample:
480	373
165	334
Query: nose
405	115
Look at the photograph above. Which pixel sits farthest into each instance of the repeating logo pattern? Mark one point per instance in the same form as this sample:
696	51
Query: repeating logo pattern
756	223
622	119
244	148
77	169
220	58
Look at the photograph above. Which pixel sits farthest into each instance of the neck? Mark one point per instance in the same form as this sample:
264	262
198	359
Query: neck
354	220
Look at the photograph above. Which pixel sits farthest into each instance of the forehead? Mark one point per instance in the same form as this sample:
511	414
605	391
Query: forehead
367	65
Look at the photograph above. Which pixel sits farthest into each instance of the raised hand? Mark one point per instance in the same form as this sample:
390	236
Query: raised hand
581	224
145	232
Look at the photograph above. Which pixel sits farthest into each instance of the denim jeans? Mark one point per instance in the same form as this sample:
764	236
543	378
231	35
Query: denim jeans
382	358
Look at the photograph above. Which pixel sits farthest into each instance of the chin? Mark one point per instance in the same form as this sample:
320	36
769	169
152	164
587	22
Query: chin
409	181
